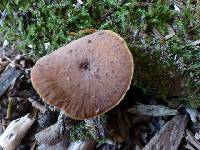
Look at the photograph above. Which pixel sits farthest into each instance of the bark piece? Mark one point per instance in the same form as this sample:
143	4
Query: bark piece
7	78
82	145
50	135
170	135
193	114
152	110
197	42
15	132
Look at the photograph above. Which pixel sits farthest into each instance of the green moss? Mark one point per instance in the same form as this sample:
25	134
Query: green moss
79	132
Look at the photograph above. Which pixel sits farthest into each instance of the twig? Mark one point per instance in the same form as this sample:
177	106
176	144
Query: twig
193	28
158	34
143	4
12	63
9	109
33	146
3	17
171	32
37	105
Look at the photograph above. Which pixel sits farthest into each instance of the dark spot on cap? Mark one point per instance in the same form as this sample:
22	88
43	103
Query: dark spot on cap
84	64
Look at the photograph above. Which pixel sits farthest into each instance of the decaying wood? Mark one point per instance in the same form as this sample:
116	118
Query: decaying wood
152	110
170	135
82	145
190	138
15	132
51	135
7	78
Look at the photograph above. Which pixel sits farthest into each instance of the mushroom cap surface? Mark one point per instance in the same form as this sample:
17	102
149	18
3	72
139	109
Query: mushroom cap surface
86	77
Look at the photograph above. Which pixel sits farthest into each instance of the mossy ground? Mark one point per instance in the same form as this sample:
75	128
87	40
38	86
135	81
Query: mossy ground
158	61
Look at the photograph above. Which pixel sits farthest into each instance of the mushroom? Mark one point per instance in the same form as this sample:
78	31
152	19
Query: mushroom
86	77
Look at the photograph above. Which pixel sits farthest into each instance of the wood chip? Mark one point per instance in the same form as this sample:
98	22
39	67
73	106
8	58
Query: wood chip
193	114
15	132
50	135
152	110
170	135
7	78
197	42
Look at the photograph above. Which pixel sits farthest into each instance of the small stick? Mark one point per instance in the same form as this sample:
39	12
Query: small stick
193	28
37	105
33	146
9	109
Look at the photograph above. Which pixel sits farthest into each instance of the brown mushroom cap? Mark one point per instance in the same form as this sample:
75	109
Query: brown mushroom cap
86	77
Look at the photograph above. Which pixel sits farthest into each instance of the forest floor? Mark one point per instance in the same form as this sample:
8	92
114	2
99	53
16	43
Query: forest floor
161	108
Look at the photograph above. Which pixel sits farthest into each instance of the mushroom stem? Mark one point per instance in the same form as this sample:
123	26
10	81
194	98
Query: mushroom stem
60	123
